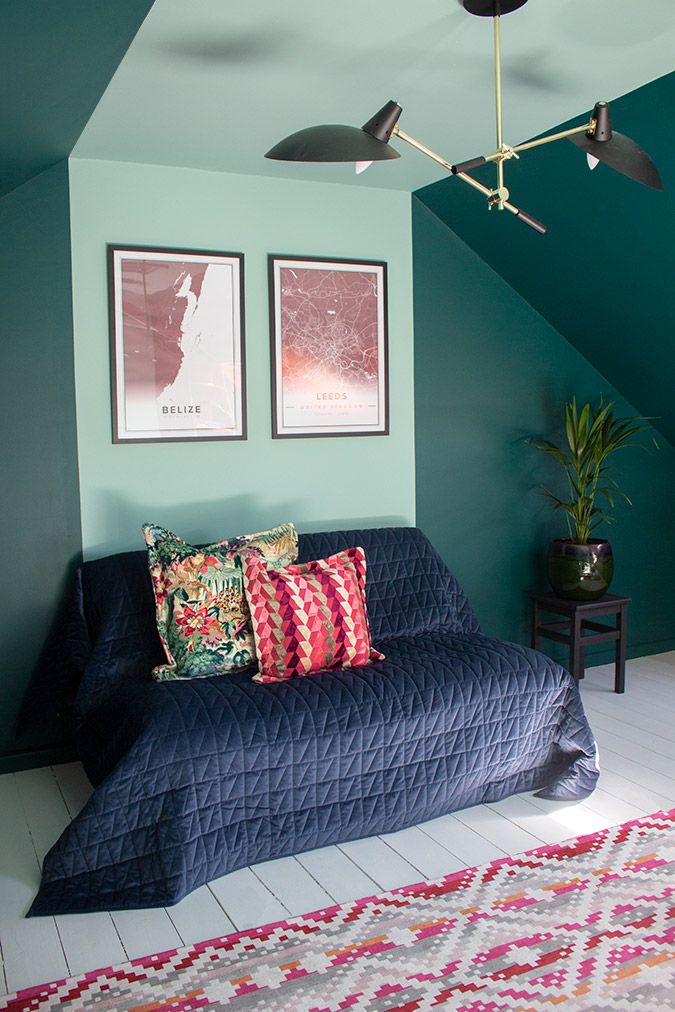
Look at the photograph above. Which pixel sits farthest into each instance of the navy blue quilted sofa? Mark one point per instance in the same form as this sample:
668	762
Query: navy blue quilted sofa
194	779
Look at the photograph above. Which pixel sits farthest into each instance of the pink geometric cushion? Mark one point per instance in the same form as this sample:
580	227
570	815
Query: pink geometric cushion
309	617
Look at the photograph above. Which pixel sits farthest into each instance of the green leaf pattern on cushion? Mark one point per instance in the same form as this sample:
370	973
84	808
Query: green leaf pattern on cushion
203	617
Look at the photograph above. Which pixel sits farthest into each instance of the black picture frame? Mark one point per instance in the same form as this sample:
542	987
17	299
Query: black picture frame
348	305
127	400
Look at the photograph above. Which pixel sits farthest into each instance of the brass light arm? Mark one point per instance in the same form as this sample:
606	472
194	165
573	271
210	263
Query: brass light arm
492	195
485	190
496	156
587	128
495	200
509	151
397	132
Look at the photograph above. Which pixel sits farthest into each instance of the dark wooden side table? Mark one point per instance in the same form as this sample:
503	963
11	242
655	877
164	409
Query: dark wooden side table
579	628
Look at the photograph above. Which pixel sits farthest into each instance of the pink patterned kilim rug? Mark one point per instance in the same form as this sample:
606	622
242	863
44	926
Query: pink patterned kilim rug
587	924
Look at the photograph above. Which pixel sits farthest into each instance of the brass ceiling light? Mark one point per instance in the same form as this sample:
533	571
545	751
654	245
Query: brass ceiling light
370	143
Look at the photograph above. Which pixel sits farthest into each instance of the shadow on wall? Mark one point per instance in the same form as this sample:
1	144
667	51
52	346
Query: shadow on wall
350	524
196	522
209	521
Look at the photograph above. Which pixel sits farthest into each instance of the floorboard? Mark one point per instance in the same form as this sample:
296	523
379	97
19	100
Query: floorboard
424	852
641	728
143	932
645	754
626	790
86	938
469	847
20	869
649	698
614	809
384	865
498	829
524	815
341	878
90	940
658	736
31	949
572	819
200	917
598	698
637	758
44	808
645	777
74	786
30	946
293	885
246	899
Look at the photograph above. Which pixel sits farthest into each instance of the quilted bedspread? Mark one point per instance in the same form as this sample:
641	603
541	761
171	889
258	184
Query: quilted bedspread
194	779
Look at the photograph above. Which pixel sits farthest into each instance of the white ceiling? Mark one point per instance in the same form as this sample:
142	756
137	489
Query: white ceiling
215	83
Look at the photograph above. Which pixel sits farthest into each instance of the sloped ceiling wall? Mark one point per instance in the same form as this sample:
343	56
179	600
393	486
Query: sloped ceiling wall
57	59
603	275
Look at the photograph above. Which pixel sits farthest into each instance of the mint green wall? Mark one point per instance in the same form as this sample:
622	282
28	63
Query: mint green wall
490	370
40	514
210	490
602	276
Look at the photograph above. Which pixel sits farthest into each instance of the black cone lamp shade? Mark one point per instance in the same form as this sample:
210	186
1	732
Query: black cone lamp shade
617	150
338	143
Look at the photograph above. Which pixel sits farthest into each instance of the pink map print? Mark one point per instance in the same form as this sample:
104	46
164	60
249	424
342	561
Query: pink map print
329	327
155	296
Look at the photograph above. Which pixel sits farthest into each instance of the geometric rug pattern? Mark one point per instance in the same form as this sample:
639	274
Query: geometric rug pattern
586	924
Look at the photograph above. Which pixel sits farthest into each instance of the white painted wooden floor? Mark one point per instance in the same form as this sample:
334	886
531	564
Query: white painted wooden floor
637	755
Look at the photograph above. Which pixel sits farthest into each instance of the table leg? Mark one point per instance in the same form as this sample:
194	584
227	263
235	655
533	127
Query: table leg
576	648
620	666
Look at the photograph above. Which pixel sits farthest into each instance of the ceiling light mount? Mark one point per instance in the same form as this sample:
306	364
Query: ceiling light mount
370	143
492	8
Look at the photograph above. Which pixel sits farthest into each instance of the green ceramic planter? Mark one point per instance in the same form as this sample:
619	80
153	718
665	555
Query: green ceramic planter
580	572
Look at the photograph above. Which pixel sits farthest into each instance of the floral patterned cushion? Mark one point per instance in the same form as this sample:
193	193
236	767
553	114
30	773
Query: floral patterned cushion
202	614
309	617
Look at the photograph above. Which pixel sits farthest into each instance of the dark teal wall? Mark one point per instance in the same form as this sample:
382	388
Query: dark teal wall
602	276
41	513
490	370
57	59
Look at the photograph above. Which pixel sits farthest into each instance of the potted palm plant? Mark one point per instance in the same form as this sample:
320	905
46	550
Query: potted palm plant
580	567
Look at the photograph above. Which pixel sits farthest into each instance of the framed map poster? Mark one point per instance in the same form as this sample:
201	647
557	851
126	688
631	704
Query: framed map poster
177	344
329	347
